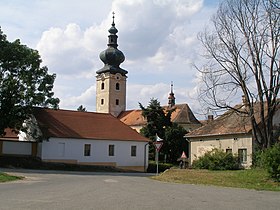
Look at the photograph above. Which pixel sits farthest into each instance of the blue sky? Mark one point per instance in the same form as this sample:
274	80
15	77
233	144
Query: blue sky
158	38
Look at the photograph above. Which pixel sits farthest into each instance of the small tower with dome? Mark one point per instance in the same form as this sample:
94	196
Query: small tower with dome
111	79
171	97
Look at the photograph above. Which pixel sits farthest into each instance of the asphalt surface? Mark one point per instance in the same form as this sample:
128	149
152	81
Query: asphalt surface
121	191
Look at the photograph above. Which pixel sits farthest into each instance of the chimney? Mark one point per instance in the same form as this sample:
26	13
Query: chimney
210	118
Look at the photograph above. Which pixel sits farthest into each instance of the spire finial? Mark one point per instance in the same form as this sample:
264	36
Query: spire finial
113	24
171	86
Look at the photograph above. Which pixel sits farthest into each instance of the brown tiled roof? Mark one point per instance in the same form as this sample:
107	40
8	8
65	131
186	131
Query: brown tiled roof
10	135
182	114
83	125
231	122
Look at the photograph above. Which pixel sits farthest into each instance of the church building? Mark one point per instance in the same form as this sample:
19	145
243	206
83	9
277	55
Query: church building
111	91
111	79
85	138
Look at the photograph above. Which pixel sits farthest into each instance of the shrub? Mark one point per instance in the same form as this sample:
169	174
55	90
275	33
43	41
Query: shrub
271	160
217	159
152	168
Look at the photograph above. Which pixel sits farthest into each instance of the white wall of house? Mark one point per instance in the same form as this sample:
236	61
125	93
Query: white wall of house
200	145
72	151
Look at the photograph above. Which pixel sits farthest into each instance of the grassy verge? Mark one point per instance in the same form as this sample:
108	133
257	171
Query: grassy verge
6	177
251	179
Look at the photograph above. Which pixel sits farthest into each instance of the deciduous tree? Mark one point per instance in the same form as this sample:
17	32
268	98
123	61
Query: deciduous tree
24	83
159	124
242	52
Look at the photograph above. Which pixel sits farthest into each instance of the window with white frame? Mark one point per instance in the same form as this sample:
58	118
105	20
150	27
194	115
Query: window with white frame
242	155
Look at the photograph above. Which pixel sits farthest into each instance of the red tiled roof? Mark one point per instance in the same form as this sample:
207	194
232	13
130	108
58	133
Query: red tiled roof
182	114
132	117
87	125
10	135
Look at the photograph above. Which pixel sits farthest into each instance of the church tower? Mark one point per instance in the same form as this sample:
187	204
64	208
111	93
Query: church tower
111	79
171	97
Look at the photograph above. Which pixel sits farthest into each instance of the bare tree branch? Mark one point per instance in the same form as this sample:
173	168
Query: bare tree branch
242	54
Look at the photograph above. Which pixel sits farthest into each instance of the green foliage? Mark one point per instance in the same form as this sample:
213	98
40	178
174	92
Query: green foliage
157	119
6	177
174	142
270	159
159	123
217	159
23	83
81	108
152	168
258	159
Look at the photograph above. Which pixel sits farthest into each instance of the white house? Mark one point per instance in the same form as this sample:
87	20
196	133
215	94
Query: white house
88	138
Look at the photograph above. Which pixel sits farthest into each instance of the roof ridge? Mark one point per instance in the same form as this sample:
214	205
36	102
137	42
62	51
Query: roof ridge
72	111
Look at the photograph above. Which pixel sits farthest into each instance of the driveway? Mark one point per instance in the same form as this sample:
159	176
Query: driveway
121	191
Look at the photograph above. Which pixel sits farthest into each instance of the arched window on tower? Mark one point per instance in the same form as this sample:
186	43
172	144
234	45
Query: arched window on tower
102	101
102	86
117	102
117	86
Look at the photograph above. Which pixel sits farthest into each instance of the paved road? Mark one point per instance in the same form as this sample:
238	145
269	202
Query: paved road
119	191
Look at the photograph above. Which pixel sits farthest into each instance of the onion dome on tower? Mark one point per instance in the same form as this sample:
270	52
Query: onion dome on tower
112	57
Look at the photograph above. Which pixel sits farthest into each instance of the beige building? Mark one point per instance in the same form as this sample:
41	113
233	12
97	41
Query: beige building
111	79
111	91
231	132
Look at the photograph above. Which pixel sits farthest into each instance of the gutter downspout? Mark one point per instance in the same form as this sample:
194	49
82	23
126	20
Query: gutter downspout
145	153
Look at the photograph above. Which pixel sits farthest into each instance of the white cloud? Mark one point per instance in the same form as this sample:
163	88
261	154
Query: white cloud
87	99
158	38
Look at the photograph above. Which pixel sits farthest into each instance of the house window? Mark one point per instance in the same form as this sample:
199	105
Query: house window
117	86
87	150
229	151
117	101
111	150
133	151
242	155
102	101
